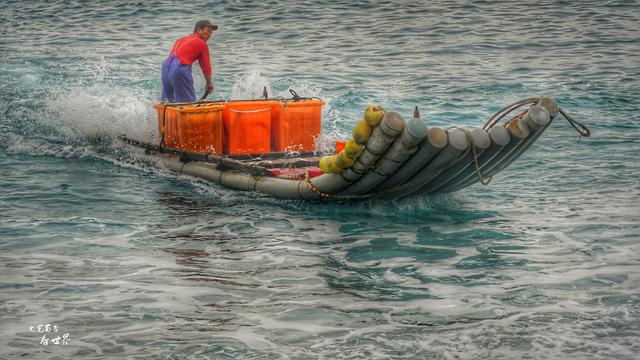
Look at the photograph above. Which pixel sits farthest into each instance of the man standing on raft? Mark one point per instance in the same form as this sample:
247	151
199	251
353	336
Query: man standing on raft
177	81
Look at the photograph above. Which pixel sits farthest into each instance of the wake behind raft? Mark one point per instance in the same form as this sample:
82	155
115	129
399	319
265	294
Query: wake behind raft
268	146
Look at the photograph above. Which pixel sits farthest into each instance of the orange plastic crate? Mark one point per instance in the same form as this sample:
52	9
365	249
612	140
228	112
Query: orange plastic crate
247	126
196	128
296	125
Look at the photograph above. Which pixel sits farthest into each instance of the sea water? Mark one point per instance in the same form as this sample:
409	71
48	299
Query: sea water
130	260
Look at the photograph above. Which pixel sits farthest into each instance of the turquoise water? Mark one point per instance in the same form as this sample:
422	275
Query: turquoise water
133	261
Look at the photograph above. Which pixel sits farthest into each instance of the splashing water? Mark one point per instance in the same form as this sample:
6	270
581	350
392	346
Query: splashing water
250	86
102	111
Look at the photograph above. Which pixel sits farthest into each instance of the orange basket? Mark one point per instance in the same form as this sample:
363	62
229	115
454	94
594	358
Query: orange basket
196	128
295	125
247	127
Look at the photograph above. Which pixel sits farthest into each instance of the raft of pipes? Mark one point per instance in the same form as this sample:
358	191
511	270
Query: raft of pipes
390	157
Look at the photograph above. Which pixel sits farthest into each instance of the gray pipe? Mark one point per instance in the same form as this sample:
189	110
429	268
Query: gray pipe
405	145
382	136
458	143
279	188
499	138
431	145
518	132
234	179
481	142
536	119
326	183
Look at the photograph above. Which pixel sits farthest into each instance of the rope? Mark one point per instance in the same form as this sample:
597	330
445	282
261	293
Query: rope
248	111
291	177
282	102
472	149
314	189
295	95
583	130
164	129
506	110
485	181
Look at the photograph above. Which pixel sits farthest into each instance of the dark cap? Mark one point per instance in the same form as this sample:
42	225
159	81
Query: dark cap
203	23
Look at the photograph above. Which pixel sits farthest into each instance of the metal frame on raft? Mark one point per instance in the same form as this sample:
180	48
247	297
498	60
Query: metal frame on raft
399	159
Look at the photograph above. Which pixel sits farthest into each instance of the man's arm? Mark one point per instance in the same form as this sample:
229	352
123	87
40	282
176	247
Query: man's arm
210	86
205	64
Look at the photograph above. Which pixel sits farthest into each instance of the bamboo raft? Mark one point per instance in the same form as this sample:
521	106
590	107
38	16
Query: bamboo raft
398	158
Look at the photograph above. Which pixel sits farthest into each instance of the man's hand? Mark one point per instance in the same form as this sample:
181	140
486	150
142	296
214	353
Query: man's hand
210	87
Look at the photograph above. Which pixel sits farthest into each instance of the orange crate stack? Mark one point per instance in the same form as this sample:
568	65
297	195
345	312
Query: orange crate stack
241	127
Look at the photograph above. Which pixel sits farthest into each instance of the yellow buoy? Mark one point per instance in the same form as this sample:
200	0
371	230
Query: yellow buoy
333	164
328	165
353	149
344	161
361	132
325	165
373	114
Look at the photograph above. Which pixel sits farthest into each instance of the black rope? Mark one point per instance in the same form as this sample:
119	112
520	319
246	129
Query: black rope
581	128
164	123
295	95
188	156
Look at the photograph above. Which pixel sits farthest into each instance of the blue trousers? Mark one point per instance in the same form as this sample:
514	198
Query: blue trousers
177	81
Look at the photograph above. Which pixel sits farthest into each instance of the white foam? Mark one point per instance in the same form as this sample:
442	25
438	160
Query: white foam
250	86
101	110
40	147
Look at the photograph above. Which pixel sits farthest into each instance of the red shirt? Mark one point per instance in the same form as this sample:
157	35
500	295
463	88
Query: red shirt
191	48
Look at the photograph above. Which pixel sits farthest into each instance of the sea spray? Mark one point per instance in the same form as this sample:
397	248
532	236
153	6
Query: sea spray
250	86
101	111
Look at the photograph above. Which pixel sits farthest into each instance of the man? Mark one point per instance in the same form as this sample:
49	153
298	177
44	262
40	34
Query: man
177	80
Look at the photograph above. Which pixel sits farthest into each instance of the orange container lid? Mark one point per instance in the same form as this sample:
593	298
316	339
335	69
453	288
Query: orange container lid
248	103
192	107
303	102
201	108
